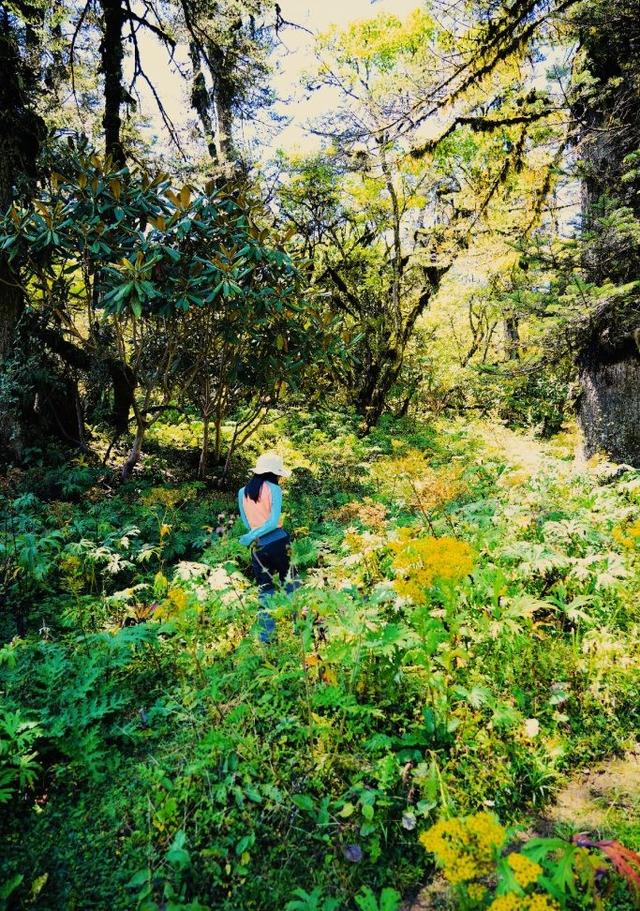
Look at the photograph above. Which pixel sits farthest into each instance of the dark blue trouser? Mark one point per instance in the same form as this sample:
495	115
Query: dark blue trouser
270	565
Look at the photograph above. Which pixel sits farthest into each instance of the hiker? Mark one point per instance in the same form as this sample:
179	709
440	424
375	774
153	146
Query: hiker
260	503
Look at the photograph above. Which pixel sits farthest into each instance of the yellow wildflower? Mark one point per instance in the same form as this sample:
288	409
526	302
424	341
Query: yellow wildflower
178	597
476	891
419	561
540	902
462	869
465	847
425	488
508	902
487	831
515	478
526	871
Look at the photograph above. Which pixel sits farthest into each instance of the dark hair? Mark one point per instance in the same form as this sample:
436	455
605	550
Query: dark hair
253	488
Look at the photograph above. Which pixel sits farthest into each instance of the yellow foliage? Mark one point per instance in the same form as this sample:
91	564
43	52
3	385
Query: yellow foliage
178	597
515	478
176	601
167	496
508	902
419	484
513	902
540	902
418	562
465	847
526	871
629	537
476	891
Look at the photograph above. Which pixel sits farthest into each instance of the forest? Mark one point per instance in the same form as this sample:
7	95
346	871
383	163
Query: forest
370	269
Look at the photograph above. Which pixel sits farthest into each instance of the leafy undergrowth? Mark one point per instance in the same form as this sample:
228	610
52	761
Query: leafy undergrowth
466	635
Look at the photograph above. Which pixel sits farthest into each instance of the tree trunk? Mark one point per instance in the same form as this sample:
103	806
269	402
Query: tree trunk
609	405
609	363
203	463
136	450
112	53
382	374
223	99
21	132
512	337
11	299
200	101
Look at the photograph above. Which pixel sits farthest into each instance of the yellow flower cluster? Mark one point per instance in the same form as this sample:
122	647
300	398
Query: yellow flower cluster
72	573
539	902
512	902
629	537
174	604
419	561
465	846
515	478
70	564
476	891
526	871
508	902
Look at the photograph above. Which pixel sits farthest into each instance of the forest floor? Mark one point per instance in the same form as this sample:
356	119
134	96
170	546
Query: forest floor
466	639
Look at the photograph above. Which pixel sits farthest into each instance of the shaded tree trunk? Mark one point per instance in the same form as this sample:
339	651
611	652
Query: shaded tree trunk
200	101
21	131
609	404
135	451
203	463
512	337
111	53
385	366
609	364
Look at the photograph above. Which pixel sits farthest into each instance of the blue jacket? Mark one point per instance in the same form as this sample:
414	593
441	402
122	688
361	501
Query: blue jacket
272	522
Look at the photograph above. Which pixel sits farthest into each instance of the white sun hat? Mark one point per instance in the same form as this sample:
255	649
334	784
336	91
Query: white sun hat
271	463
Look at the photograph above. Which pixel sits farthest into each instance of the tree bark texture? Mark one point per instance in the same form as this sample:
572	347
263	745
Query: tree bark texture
21	132
609	364
111	52
609	404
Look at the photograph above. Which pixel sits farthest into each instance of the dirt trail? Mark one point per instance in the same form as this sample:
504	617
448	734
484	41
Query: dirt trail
527	452
594	798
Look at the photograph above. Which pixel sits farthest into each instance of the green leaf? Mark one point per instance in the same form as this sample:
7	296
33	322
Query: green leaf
346	811
368	812
304	802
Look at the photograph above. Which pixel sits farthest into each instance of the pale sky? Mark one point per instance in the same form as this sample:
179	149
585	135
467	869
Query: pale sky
317	16
294	55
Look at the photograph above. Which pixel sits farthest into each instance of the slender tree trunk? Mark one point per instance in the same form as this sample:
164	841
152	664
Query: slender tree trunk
223	99
135	452
112	54
218	442
200	101
203	464
11	299
512	337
